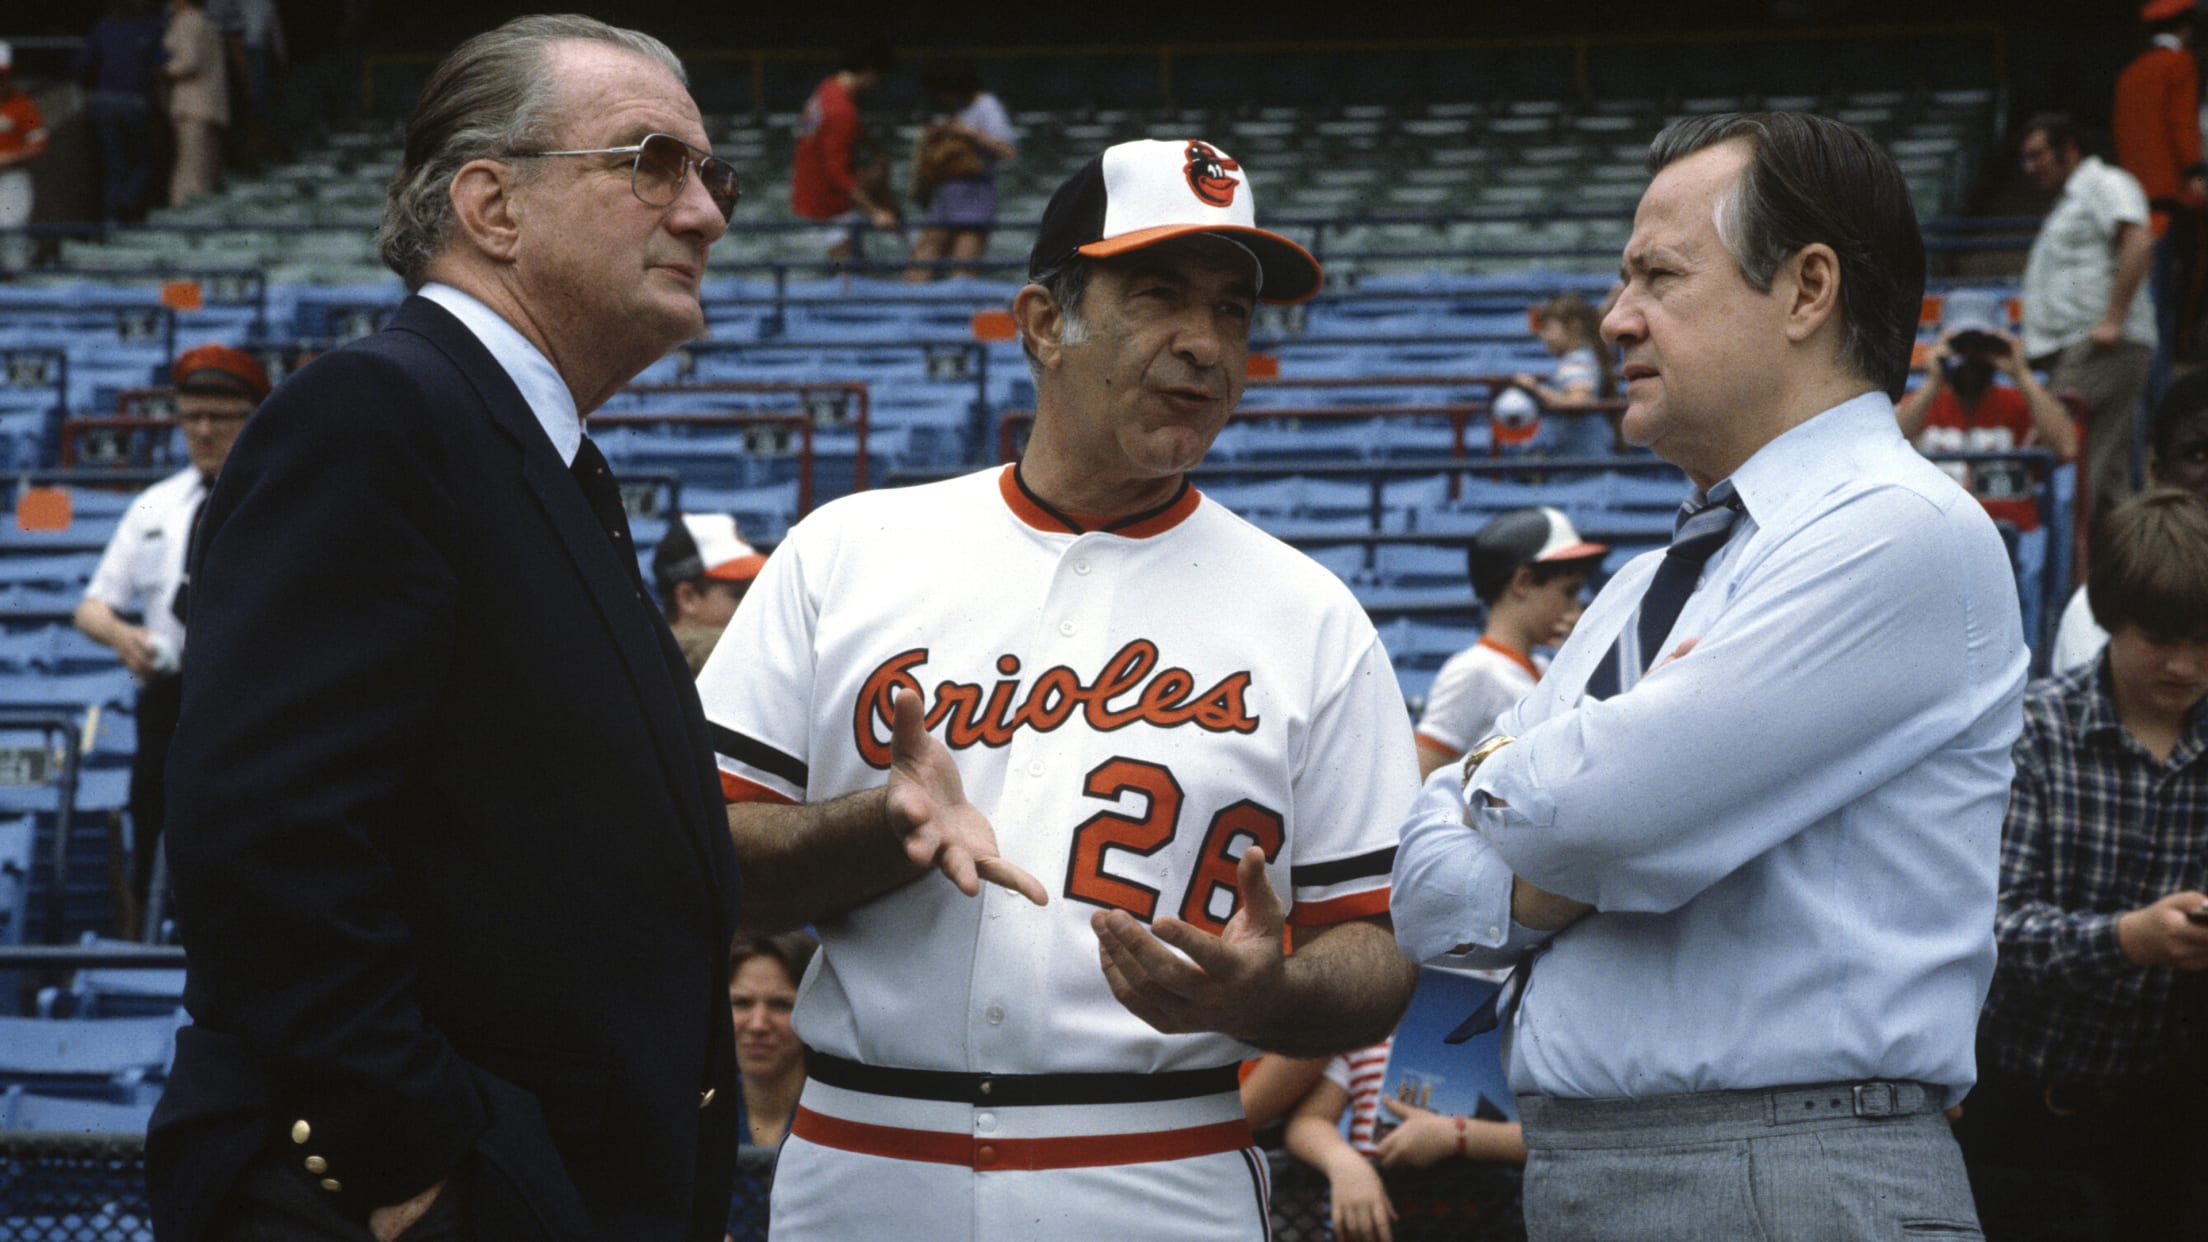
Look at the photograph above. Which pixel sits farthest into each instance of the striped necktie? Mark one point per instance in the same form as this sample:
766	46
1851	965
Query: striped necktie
1702	528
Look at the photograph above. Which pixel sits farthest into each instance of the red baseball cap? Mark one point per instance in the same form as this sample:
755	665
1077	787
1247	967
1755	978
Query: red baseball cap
220	371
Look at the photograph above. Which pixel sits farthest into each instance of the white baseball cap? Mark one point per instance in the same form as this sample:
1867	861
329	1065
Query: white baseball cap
705	545
1140	193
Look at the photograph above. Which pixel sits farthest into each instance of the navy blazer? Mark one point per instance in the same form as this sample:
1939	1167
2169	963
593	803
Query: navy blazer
451	860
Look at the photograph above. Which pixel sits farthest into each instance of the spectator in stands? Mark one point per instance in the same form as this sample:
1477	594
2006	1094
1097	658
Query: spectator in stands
1571	331
1360	1209
118	64
2087	1049
702	568
143	574
2157	132
1530	568
763	974
2177	446
22	139
834	179
253	43
447	847
199	100
954	166
2087	317
1958	408
1761	781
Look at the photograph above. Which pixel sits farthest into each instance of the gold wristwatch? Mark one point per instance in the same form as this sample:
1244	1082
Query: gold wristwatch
1480	753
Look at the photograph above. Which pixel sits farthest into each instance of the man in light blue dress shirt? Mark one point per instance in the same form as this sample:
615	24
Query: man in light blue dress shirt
1751	893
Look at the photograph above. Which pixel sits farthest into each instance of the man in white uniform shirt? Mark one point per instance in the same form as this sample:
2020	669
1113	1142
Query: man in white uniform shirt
142	571
1742	840
1121	721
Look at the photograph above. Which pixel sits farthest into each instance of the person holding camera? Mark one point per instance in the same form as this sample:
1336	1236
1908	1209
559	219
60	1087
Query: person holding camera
2087	1060
1960	409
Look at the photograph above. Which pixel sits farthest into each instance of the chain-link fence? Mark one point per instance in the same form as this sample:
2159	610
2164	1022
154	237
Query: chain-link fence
91	1188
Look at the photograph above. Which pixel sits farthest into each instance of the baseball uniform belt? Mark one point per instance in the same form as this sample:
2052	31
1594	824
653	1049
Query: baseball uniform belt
1019	1090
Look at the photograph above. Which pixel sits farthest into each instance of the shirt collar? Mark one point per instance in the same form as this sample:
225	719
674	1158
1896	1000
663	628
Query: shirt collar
541	387
1798	465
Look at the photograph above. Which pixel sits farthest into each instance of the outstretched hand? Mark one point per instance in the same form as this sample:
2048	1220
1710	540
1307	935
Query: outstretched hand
928	808
1228	982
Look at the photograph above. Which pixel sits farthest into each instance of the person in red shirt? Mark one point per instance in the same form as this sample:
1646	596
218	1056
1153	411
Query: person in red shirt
22	139
826	181
1959	408
2156	125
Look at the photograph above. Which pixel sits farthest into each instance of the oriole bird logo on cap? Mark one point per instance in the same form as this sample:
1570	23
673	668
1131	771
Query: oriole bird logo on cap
1207	174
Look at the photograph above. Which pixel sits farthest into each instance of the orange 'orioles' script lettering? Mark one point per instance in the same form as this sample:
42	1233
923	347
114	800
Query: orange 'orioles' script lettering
1131	688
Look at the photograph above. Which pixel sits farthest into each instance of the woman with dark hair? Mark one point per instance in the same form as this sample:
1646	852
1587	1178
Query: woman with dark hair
763	974
954	168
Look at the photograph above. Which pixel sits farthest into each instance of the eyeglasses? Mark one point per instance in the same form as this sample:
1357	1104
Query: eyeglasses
662	167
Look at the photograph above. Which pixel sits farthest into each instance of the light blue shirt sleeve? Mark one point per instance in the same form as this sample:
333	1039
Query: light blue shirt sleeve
1451	895
1814	684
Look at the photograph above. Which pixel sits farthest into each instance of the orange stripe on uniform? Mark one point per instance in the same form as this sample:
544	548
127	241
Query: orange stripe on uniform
736	789
982	1153
1339	909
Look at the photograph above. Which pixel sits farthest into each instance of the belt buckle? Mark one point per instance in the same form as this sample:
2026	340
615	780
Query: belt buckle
1876	1099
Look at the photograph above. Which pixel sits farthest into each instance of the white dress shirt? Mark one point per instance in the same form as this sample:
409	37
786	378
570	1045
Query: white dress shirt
541	387
1791	834
144	560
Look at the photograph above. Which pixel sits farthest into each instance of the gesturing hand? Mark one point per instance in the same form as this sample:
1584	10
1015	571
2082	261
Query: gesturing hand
1228	983
928	808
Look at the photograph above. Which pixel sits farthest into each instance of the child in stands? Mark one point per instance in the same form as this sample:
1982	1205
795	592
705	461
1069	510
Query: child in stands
1530	568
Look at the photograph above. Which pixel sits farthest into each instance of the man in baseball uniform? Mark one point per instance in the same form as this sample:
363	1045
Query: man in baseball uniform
1050	753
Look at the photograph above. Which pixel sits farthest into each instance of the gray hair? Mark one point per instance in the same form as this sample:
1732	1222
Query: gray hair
491	95
1810	180
1066	284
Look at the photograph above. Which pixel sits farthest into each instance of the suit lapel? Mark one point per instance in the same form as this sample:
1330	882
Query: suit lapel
632	626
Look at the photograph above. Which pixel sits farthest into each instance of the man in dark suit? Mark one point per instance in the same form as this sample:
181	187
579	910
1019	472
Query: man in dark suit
449	854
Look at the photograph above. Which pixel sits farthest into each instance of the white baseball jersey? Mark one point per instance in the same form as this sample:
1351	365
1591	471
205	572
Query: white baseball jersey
1132	708
1477	685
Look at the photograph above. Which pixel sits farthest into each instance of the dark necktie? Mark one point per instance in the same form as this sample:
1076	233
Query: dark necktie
595	477
1702	528
180	604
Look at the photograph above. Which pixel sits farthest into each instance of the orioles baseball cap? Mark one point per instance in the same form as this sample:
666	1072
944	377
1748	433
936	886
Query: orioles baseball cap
1537	535
1141	193
704	545
218	370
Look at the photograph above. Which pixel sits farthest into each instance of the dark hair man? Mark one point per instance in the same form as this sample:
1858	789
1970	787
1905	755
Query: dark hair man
454	878
1076	672
2088	320
1754	805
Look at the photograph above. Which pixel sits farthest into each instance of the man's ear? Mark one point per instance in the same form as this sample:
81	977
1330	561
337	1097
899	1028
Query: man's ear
1521	582
1812	289
1039	322
484	207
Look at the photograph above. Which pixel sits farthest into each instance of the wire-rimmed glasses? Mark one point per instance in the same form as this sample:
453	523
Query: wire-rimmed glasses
661	167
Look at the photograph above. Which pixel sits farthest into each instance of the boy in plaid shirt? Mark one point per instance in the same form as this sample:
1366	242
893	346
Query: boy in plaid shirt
2089	1048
